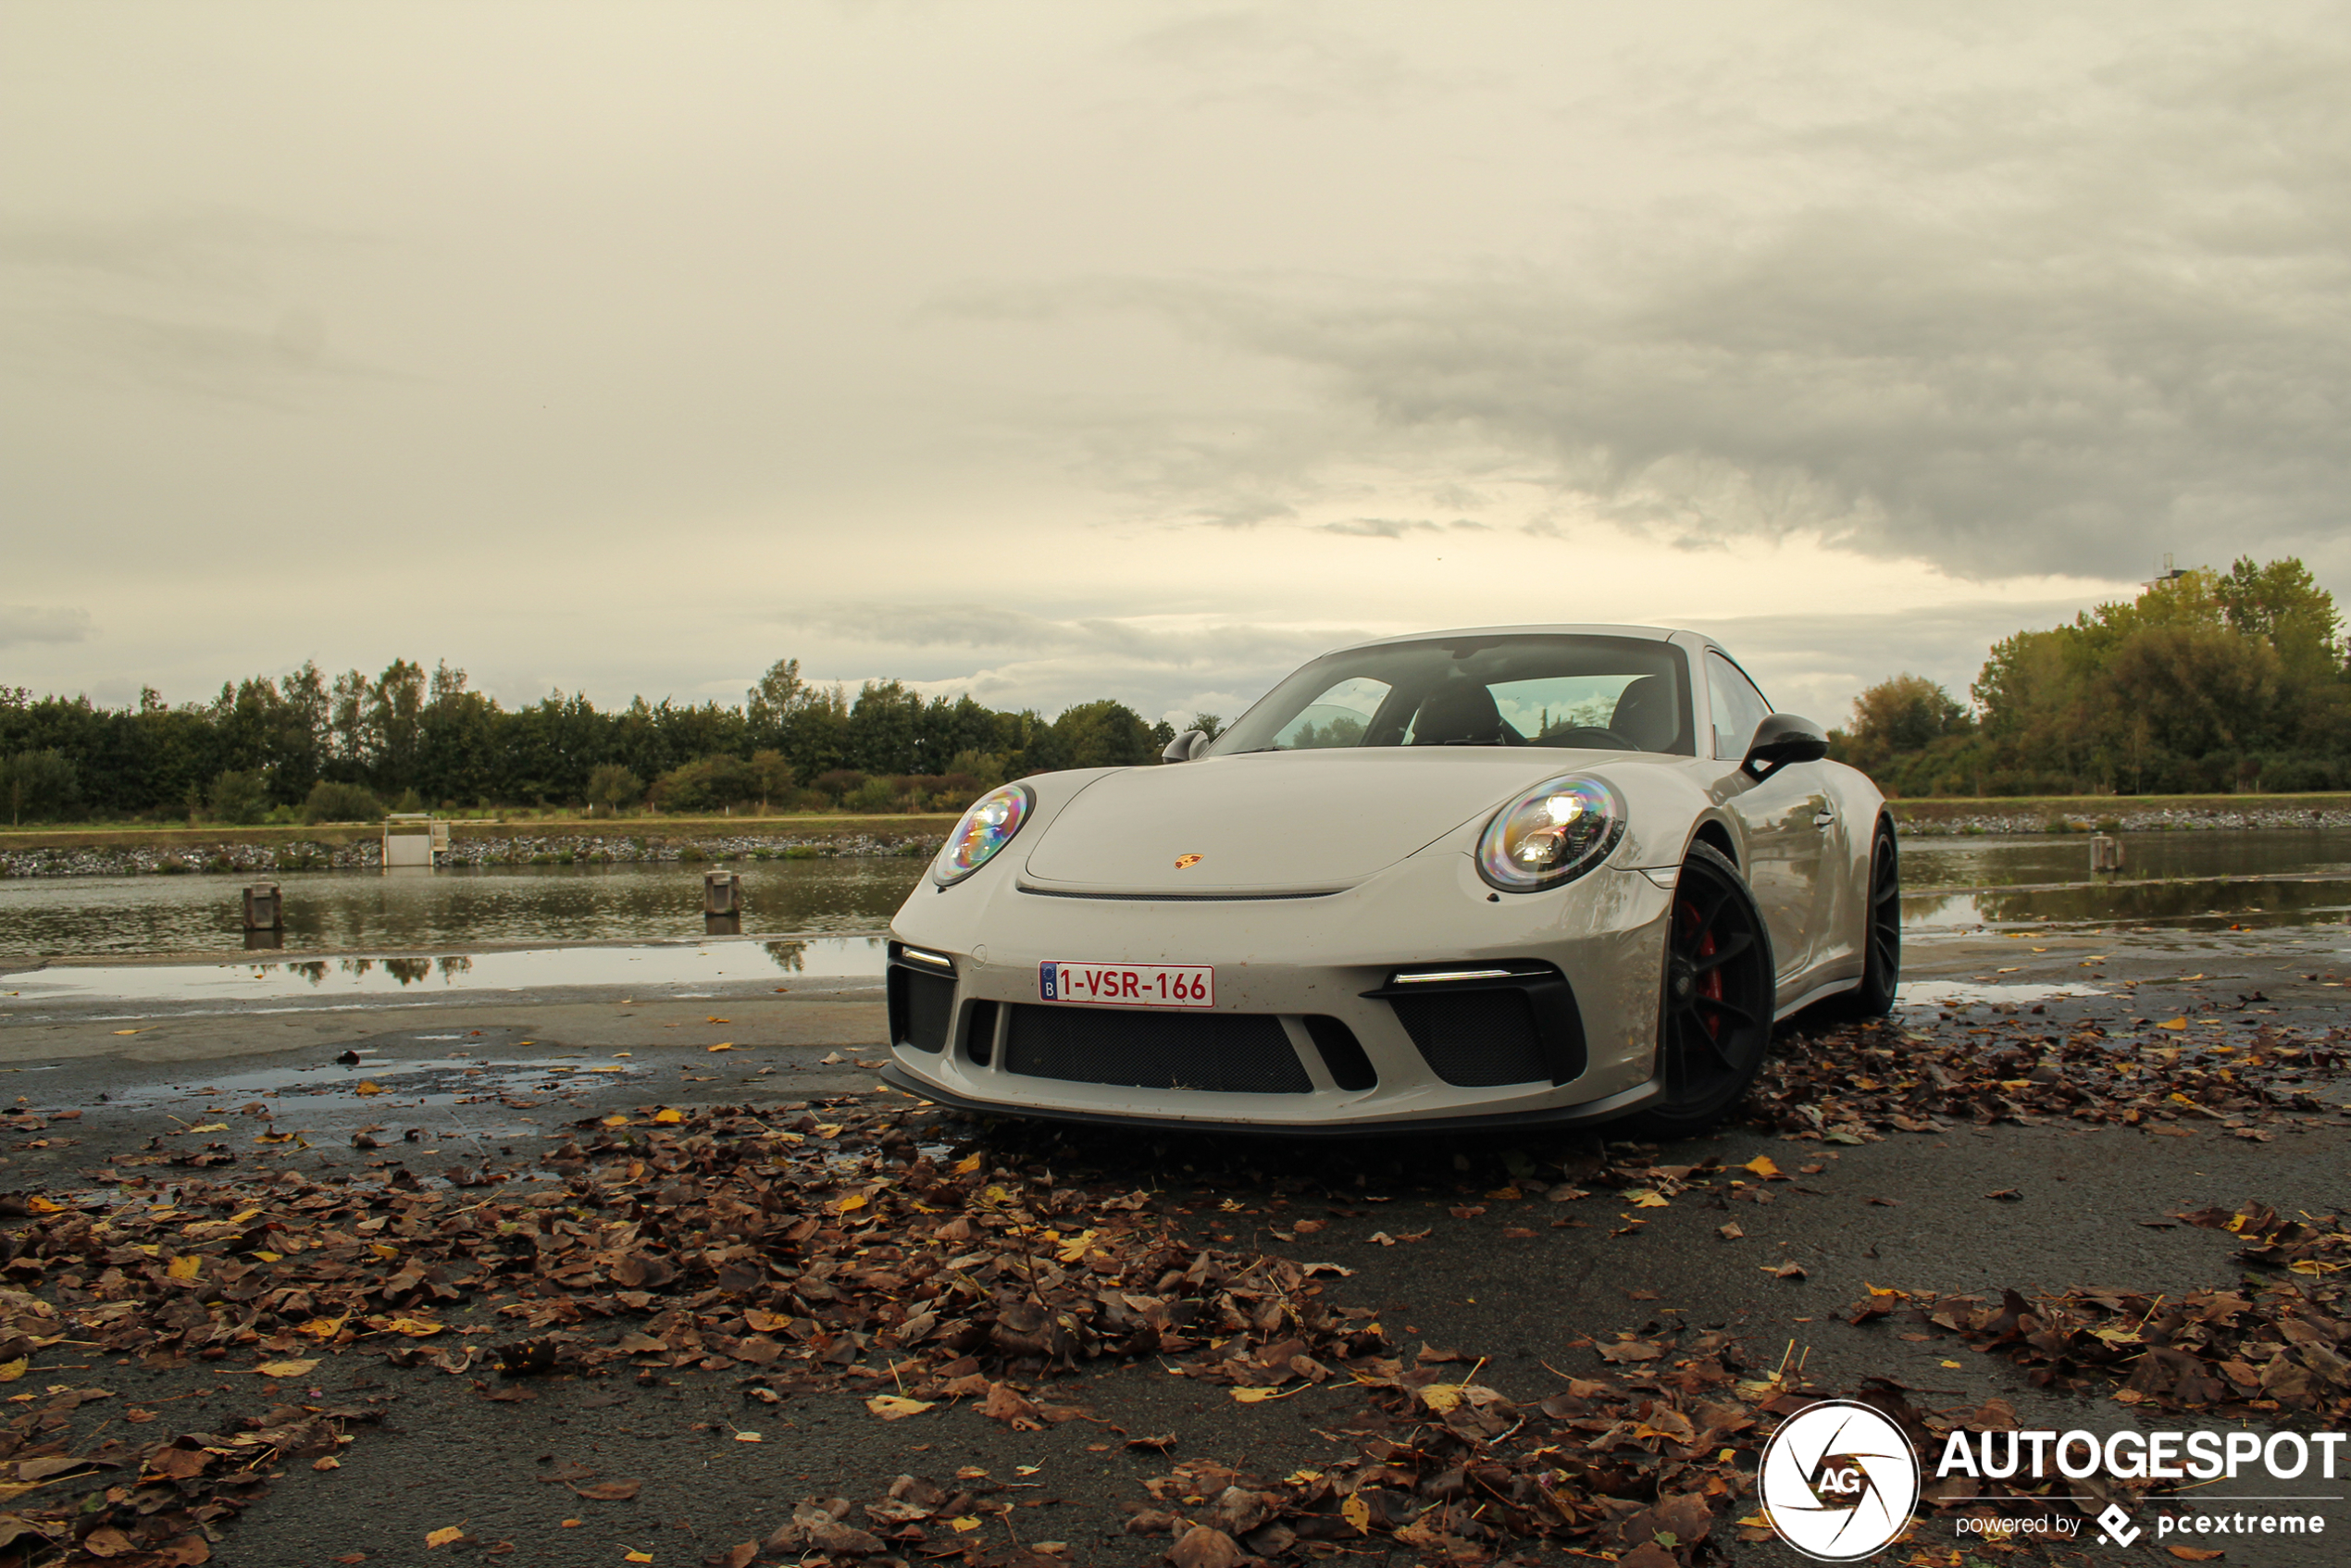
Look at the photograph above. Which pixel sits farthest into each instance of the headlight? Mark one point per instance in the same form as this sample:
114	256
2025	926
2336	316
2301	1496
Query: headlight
986	828
1553	833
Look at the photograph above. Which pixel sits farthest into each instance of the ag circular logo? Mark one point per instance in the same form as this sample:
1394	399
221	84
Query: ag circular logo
1838	1481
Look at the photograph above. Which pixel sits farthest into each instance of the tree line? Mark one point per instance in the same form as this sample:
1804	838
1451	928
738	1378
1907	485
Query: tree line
2208	681
307	746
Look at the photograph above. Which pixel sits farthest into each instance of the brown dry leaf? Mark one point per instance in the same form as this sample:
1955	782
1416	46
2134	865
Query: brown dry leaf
286	1368
609	1491
894	1407
368	1086
1789	1270
1201	1547
1004	1404
1729	1232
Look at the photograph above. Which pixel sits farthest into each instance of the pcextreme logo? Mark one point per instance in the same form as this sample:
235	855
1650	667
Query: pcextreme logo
1838	1481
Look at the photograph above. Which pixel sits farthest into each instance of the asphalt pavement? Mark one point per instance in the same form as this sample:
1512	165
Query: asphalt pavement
1526	1283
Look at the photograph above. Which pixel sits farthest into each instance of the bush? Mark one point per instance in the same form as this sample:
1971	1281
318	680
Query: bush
330	802
837	785
873	795
707	784
240	799
691	854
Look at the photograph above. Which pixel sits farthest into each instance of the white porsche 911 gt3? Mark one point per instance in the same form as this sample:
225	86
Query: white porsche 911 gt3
1516	875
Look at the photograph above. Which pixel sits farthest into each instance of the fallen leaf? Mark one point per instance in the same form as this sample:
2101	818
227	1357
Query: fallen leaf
893	1407
609	1491
2195	1554
1762	1165
285	1368
187	1265
2006	1195
2180	1022
1729	1232
12	1370
368	1086
722	1045
446	1536
1789	1270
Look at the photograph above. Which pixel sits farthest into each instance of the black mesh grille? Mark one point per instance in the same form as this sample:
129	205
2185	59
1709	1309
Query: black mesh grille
921	1007
1342	1052
1475	1039
1232	1052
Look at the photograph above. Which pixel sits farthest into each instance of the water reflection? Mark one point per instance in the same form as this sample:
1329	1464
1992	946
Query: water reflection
2193	904
1991	860
359	911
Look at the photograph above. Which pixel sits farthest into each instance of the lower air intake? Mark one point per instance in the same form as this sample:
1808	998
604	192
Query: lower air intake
1475	1039
1215	1052
921	1006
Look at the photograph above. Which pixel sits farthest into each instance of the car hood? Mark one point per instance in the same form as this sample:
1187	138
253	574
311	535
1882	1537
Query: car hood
1278	821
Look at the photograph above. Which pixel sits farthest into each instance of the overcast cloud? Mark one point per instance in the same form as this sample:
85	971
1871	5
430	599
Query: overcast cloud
1057	351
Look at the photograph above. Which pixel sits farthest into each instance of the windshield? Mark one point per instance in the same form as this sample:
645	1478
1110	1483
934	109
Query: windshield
1576	693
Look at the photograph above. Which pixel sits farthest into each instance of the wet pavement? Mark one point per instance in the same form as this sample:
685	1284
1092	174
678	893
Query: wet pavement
454	1068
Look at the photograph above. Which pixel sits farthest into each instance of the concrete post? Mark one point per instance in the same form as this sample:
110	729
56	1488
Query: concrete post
265	908
2106	853
722	892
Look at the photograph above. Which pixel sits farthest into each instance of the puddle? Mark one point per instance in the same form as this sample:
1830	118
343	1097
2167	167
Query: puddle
404	1083
2190	906
667	971
1963	993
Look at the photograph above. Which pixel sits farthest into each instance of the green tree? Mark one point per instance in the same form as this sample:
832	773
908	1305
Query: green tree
613	789
43	785
238	797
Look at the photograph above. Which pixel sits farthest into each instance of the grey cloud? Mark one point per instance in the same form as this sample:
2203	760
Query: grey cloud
36	623
1378	527
2061	350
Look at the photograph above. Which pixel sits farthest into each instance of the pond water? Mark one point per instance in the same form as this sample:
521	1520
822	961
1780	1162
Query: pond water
466	906
1951	883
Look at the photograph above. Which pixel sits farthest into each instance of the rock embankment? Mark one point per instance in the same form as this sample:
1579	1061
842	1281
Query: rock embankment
1931	818
518	850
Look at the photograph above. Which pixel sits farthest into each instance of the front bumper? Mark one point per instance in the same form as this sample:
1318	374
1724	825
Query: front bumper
1310	1032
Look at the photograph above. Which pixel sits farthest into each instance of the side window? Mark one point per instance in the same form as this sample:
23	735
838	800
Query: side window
1338	717
1738	706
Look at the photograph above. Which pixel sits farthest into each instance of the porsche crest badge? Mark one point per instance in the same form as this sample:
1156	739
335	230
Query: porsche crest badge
1185	861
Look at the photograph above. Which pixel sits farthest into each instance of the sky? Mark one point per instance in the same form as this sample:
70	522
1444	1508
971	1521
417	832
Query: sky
1056	351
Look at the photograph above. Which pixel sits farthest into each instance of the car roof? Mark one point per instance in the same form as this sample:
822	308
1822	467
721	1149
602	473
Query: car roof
1649	633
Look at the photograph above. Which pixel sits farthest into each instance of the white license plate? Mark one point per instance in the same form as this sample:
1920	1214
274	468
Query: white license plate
1129	984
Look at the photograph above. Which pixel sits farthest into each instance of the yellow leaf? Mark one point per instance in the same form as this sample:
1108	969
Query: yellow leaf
368	1086
383	1249
639	1557
1358	1512
670	1116
12	1370
965	1525
1074	1250
269	1257
126	1031
40	1205
1763	1166
415	1328
286	1368
891	1407
1441	1396
1646	1198
1259	1396
324	1327
443	1536
329	1463
2181	1022
615	1121
722	1045
965	1165
850	1204
715	1018
187	1265
830	1129
211	1126
609	1069
275	1137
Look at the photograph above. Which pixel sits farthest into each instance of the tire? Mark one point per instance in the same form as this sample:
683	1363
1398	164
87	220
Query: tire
1716	1000
1881	932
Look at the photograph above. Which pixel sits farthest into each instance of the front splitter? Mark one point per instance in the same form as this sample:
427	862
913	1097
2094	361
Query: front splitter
1588	1113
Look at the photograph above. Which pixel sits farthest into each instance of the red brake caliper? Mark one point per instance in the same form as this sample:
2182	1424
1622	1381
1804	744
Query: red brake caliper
1708	984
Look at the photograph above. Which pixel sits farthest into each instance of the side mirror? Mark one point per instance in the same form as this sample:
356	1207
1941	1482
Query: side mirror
1780	740
1185	747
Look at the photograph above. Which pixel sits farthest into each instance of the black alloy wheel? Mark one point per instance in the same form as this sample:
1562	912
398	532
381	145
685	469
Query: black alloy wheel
1715	1023
1881	930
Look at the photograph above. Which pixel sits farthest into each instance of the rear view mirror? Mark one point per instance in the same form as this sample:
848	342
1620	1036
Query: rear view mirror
1185	747
1782	738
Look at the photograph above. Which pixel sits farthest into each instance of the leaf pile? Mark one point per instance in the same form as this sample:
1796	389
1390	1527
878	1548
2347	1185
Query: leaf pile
2271	1346
1856	1083
802	1255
